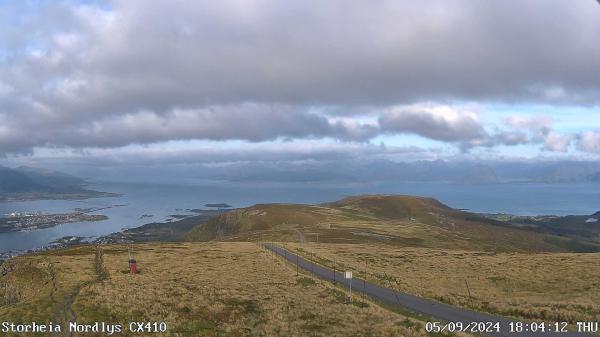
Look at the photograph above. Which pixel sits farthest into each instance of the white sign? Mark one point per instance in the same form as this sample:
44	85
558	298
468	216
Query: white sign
348	275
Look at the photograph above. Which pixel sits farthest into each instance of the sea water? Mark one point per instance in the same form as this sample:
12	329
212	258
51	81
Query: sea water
162	201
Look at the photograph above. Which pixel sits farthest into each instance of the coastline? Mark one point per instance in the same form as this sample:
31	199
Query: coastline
87	194
167	231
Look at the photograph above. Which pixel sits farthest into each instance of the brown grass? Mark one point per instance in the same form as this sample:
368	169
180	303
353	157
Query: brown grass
394	220
39	287
210	289
549	286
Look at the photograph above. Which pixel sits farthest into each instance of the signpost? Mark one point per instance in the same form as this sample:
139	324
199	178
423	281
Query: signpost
348	276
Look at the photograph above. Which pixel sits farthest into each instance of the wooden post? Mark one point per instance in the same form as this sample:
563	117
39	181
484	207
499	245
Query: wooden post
333	271
312	266
365	279
469	292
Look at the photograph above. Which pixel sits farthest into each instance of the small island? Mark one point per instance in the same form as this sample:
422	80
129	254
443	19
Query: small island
219	205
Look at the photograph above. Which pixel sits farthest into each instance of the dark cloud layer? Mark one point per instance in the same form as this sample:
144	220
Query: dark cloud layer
439	123
141	72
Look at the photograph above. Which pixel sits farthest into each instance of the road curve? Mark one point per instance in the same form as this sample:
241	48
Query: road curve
436	310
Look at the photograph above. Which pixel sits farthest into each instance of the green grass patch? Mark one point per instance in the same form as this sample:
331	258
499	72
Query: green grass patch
195	328
360	304
306	281
247	306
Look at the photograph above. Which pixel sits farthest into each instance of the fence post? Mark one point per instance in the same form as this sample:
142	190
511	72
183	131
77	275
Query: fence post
334	271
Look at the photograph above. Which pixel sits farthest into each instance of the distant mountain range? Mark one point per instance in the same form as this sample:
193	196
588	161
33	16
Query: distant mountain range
25	179
594	177
27	183
418	171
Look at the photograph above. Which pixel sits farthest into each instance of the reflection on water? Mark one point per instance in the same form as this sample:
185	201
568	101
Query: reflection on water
161	201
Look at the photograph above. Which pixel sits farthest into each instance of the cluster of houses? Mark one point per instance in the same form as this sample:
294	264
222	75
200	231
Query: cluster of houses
21	214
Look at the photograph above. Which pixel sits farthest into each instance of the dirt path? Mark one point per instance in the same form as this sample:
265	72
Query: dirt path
56	312
300	235
63	307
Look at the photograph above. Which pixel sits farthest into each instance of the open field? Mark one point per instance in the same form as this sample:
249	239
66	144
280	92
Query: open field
208	289
546	286
420	246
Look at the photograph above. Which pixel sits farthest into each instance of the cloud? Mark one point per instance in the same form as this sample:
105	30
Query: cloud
539	130
461	125
82	75
208	153
435	122
589	141
510	138
538	124
248	122
387	52
557	142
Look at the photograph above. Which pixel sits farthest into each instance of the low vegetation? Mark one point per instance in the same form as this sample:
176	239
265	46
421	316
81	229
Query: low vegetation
210	289
380	219
544	286
421	246
227	286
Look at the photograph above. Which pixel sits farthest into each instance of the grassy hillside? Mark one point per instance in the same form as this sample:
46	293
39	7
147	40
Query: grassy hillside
234	288
238	289
211	289
379	219
394	206
582	227
544	286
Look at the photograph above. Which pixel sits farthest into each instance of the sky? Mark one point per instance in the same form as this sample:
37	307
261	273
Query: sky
217	82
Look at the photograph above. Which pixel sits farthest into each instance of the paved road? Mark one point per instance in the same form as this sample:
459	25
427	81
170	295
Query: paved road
436	310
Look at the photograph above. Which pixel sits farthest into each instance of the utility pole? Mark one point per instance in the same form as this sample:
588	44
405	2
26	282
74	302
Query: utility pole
296	265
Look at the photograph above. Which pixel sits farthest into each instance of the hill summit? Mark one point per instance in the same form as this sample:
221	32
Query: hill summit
391	219
391	206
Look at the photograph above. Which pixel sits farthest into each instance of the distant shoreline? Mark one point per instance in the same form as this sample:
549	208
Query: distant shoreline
36	196
167	231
